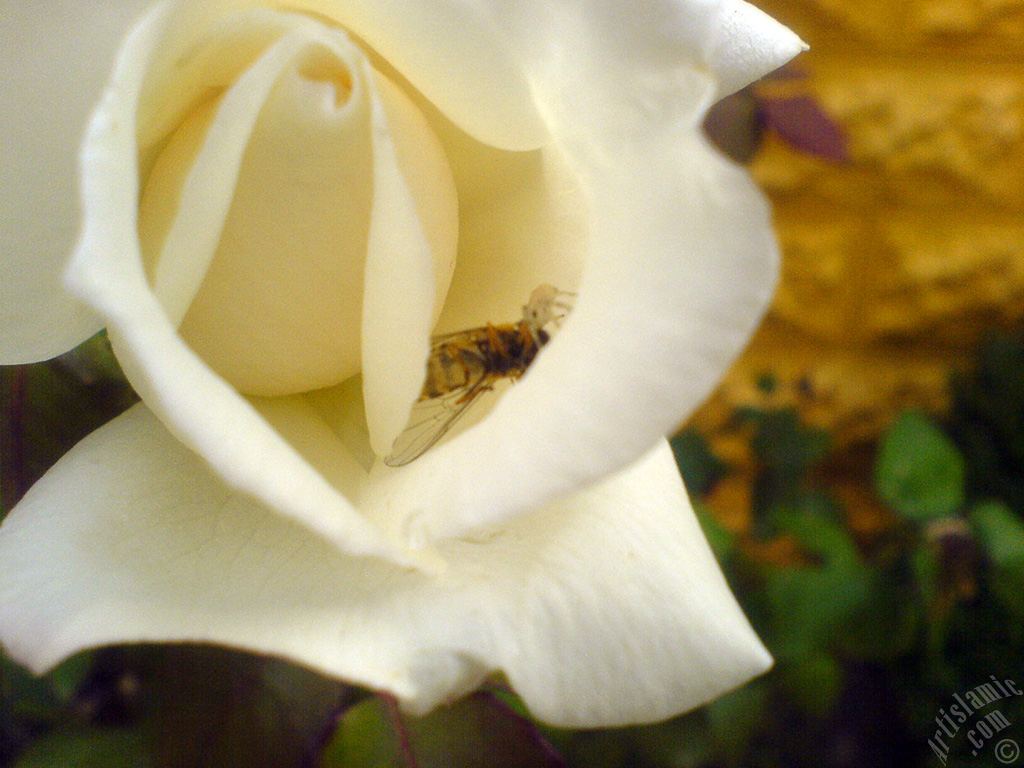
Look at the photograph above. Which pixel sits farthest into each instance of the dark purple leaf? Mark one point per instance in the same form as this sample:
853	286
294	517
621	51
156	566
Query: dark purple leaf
803	124
480	731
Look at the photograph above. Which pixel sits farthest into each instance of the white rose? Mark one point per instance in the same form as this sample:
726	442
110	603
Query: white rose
274	197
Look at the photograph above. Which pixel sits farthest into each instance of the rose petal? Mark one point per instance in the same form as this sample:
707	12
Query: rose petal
40	319
523	216
53	62
302	425
453	54
605	609
209	190
202	410
682	265
279	309
635	615
403	290
523	222
461	80
750	45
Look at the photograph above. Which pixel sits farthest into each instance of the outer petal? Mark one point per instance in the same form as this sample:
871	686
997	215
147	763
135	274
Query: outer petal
449	49
455	56
605	609
53	61
107	271
399	295
682	264
523	221
750	45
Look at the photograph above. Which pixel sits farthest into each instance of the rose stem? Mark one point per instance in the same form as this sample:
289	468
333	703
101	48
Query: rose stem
15	476
401	732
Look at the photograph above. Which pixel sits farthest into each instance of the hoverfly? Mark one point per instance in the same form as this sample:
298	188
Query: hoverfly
464	365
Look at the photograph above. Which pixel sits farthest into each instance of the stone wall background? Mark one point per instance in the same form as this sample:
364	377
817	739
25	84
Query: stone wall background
895	262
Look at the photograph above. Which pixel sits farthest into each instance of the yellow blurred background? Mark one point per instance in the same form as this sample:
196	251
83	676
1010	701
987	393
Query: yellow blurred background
897	260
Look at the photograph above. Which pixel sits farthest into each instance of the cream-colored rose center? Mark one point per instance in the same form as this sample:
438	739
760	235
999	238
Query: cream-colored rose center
278	306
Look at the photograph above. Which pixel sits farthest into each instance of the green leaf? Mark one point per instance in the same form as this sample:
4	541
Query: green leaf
479	731
820	533
783	441
365	738
814	682
88	748
919	472
217	708
32	705
678	743
25	696
736	718
1001	534
67	678
721	539
987	418
48	407
889	622
787	450
808	603
700	468
27	708
611	748
1001	364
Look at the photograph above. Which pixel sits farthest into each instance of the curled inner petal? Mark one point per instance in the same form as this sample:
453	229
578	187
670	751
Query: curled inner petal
279	309
270	289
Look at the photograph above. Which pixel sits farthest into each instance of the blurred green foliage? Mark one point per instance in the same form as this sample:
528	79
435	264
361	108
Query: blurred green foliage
480	731
48	407
987	419
919	472
873	633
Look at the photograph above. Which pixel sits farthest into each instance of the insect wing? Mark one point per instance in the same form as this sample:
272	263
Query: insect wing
431	419
465	364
